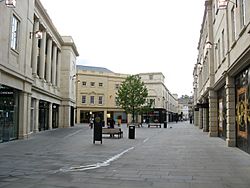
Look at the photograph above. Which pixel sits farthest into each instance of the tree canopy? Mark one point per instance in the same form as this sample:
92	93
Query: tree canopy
132	96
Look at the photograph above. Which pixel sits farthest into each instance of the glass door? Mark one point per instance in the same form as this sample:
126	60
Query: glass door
8	114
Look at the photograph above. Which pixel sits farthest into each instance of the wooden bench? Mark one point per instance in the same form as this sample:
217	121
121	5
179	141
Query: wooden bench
154	124
112	132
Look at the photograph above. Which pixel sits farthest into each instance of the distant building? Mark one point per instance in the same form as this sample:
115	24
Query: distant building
96	93
165	104
185	110
36	74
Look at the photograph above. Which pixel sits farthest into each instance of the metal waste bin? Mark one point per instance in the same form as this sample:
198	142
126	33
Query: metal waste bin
131	132
165	124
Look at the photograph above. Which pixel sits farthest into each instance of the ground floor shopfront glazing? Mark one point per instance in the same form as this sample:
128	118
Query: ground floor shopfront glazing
8	113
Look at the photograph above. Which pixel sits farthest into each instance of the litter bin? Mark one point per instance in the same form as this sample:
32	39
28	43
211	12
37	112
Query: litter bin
131	132
165	124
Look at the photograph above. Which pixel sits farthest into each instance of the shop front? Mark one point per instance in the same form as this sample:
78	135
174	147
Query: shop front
243	110
222	124
8	114
157	115
43	115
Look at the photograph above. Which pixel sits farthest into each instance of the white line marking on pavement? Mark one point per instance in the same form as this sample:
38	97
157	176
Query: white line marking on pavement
72	134
97	165
144	141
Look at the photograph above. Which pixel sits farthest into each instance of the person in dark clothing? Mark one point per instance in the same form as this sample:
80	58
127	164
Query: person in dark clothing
112	123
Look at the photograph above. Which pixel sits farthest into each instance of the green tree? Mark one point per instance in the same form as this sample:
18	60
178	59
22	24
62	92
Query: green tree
132	96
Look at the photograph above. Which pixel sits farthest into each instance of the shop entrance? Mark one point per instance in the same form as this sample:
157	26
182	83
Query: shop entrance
8	114
43	115
243	111
222	120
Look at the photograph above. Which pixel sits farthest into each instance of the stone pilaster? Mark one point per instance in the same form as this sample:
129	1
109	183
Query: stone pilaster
50	116
230	106
36	119
205	119
58	69
213	114
54	59
201	118
42	56
48	60
34	48
196	118
24	109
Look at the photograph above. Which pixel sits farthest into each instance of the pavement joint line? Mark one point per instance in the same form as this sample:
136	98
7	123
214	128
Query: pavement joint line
95	166
72	134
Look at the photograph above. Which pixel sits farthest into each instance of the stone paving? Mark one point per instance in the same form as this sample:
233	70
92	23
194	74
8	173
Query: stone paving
178	157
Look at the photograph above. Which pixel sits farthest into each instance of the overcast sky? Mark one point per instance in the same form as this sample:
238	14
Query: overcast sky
134	36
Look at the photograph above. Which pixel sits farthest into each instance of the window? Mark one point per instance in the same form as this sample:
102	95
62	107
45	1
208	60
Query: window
83	99
92	84
100	100
92	99
116	86
14	33
243	13
233	22
100	84
151	77
84	83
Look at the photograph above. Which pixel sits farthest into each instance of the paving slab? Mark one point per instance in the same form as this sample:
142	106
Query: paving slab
181	157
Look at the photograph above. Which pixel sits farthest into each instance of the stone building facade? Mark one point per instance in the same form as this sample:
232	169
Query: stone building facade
165	104
96	93
37	89
221	74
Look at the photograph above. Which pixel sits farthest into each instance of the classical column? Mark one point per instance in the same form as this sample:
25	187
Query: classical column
196	118
105	118
50	116
48	60
36	120
54	59
34	48
201	118
205	119
58	69
42	56
230	106
213	113
24	107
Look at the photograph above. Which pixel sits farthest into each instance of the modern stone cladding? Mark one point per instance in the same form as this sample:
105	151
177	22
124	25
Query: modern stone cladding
38	72
223	53
101	83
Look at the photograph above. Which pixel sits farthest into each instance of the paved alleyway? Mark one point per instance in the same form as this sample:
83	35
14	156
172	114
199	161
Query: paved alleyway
180	157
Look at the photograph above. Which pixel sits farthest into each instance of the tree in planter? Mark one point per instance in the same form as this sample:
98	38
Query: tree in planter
132	95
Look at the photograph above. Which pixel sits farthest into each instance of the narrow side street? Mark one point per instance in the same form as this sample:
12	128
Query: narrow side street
181	157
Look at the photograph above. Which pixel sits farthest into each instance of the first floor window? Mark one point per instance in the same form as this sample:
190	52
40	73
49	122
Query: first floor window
83	99
14	33
100	101
92	99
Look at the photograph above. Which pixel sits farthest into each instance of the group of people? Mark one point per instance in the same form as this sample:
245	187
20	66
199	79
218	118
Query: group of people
111	123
